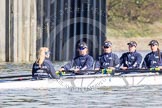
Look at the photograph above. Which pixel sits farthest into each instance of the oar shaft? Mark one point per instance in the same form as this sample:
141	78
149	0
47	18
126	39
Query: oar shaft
15	76
137	70
115	71
82	71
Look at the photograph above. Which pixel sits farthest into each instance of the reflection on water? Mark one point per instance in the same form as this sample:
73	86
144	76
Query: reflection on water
116	97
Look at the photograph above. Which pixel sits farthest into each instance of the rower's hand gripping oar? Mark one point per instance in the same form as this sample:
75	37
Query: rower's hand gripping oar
60	73
107	71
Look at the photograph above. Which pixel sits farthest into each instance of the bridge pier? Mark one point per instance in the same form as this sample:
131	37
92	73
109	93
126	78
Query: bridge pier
58	24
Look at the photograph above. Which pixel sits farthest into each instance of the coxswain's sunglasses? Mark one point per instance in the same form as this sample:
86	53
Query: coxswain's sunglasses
47	53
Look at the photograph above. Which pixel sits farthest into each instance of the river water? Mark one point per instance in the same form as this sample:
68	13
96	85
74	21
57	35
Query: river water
112	97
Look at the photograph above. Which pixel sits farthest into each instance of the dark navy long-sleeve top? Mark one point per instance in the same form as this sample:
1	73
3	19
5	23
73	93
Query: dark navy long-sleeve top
107	60
46	67
131	60
152	60
81	62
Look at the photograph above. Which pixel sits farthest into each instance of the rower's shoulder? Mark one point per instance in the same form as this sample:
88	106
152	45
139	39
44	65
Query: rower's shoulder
114	54
35	63
47	61
89	56
138	53
148	54
125	53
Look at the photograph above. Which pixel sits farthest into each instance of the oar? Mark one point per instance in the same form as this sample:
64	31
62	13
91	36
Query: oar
80	72
15	79
15	76
133	70
104	71
137	70
110	71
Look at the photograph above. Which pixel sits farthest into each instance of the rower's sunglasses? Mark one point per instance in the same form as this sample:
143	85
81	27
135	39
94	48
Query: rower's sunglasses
106	47
153	45
82	48
131	45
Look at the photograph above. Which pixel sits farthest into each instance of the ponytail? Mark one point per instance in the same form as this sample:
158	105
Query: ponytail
159	54
41	56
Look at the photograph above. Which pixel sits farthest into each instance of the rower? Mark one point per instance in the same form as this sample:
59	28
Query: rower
154	58
131	59
107	60
43	67
82	62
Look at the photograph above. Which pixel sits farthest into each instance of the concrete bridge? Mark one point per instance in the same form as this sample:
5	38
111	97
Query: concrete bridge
27	25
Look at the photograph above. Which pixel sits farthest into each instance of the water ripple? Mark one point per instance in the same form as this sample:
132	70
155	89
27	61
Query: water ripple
111	97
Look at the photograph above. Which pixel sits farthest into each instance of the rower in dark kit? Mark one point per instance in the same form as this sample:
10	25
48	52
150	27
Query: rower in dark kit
154	58
43	67
82	62
131	59
107	60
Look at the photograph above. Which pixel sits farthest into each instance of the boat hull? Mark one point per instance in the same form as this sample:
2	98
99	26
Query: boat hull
87	81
